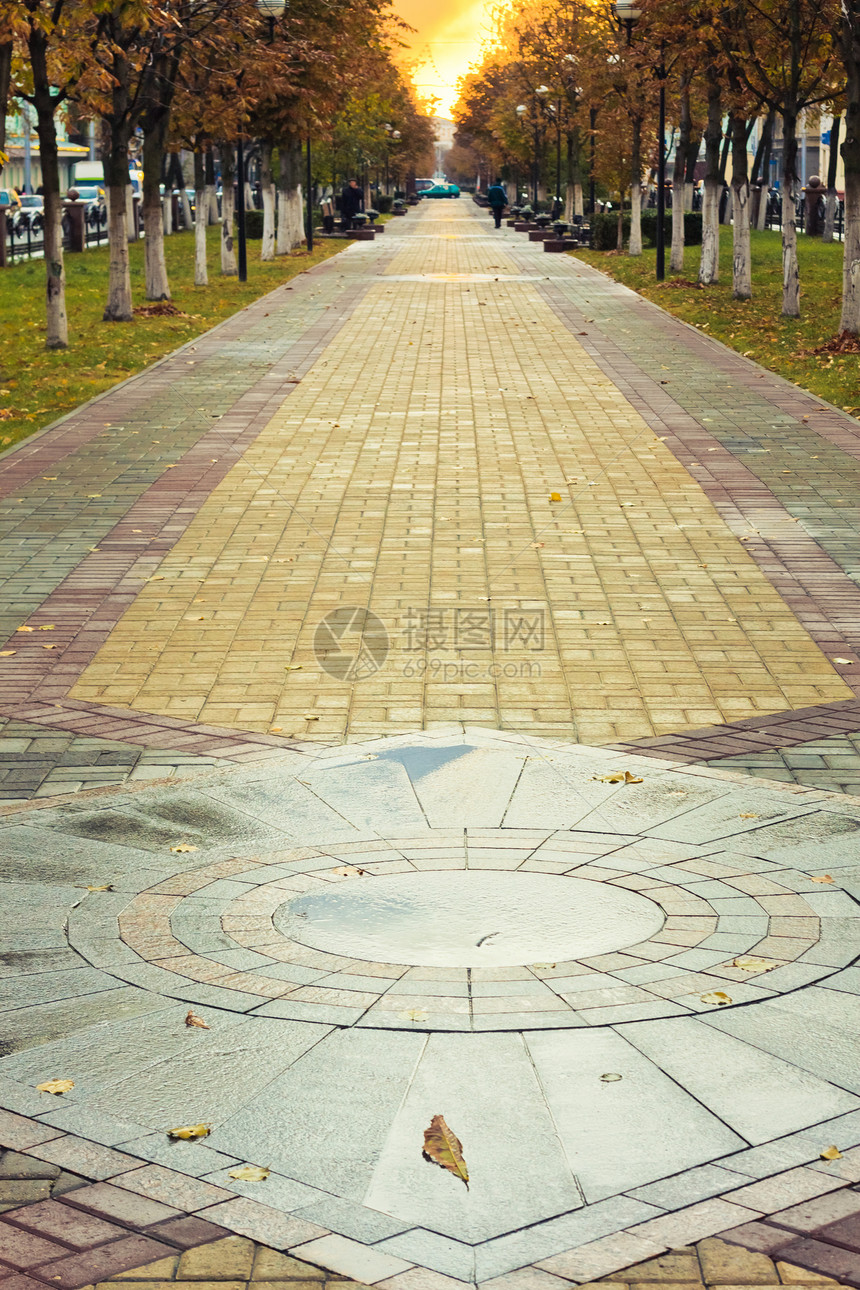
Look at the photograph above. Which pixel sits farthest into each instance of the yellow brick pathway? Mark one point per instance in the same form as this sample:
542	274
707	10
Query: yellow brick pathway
410	474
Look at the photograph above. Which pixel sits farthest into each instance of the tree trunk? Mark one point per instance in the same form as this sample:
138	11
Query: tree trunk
725	206
157	285
267	250
635	244
6	48
57	327
290	222
709	266
767	149
201	211
741	255
228	252
690	173
831	203
117	186
676	259
211	195
186	208
790	271
850	48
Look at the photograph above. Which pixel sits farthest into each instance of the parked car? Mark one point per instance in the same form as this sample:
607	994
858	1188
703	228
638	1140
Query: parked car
8	198
31	214
441	190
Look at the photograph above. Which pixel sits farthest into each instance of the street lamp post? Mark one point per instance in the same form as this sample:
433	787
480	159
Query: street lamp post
522	111
271	9
627	15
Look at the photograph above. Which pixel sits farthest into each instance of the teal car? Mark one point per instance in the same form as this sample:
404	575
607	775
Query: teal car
442	190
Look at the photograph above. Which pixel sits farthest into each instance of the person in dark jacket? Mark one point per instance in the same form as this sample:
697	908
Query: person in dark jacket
351	202
498	199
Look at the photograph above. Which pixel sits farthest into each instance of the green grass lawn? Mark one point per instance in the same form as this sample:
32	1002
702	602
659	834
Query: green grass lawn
36	387
756	327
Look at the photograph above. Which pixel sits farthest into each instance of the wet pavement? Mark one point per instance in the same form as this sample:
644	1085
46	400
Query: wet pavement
431	794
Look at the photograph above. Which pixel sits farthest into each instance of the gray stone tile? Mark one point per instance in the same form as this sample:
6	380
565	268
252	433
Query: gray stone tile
473	790
359	1222
39	1024
690	1186
516	1176
324	1120
277	1190
757	1095
196	1158
370	795
609	1128
441	1253
494	1258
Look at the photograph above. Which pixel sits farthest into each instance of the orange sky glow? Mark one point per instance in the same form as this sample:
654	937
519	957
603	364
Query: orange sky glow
447	39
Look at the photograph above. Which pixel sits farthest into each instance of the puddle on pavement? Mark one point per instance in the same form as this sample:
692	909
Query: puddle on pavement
469	918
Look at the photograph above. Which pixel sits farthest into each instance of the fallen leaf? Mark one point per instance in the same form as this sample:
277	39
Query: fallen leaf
47	627
55	1086
611	1078
620	777
349	871
555	497
413	1014
50	647
249	1173
825	877
542	967
830	1153
293	667
310	716
7	653
191	1131
191	1019
444	1148
749	963
845	661
717	997
24	629
183	846
108	886
537	545
748	815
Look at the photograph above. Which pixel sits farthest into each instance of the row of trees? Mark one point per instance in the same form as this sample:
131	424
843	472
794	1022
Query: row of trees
727	66
197	75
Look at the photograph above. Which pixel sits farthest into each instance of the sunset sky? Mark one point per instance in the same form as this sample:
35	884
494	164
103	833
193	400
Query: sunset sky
446	40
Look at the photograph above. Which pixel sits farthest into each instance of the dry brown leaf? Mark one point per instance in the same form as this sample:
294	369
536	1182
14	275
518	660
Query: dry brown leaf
831	1153
442	1147
611	1077
349	871
107	886
619	777
824	877
190	1131
191	1019
183	846
55	1086
749	963
249	1173
718	998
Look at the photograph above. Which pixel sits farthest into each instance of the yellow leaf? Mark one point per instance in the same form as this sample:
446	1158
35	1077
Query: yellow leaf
293	667
108	886
555	497
825	877
413	1014
748	815
831	1153
191	1019
310	716
718	998
24	629
349	871
845	661
6	653
50	647
444	1148
249	1173
48	627
752	964
183	846
191	1131
619	777
55	1086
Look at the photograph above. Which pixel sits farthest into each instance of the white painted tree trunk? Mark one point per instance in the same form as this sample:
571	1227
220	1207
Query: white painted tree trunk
157	285
569	202
709	265
118	308
578	205
761	217
132	232
57	324
201	272
282	226
688	197
267	250
676	256
249	197
635	244
741	257
831	206
850	320
228	250
211	200
187	218
790	268
166	214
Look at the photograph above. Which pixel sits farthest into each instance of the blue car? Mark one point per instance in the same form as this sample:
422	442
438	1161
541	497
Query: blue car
442	190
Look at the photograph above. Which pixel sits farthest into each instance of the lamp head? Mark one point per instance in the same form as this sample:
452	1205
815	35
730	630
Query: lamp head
625	11
271	8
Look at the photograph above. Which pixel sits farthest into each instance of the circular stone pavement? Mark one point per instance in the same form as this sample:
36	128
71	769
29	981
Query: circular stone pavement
513	931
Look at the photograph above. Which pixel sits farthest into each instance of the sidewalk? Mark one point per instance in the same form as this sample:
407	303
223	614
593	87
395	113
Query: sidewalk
328	723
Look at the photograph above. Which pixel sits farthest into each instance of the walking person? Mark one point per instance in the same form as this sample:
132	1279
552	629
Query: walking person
351	202
498	199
